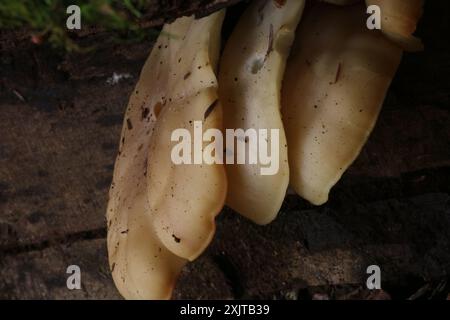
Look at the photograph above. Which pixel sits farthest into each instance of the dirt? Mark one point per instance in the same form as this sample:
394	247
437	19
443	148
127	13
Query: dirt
59	132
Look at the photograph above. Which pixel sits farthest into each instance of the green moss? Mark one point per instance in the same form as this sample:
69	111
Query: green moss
47	18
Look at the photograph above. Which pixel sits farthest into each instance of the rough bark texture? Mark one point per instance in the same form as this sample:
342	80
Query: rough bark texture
59	131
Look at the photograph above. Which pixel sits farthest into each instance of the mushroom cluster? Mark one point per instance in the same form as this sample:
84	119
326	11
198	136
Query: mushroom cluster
319	79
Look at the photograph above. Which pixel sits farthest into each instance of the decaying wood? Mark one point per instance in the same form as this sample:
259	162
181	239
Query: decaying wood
59	130
166	11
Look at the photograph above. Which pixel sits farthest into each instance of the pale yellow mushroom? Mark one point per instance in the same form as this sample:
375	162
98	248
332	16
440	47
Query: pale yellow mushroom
251	72
186	198
336	80
160	215
399	21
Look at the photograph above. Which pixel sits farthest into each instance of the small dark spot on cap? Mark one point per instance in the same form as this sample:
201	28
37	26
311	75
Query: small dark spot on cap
280	3
129	124
177	240
145	112
210	109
